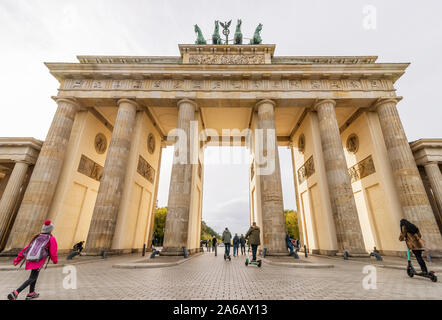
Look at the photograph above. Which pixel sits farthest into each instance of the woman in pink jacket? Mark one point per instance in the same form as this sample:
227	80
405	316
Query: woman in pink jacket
35	266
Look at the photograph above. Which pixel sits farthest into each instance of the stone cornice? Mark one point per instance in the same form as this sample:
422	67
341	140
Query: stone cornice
21	142
426	143
391	71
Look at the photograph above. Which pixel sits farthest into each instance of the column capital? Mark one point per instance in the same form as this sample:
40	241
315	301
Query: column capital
431	163
382	101
69	100
260	102
185	100
321	102
130	101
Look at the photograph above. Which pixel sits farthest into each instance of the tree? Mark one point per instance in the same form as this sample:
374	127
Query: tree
207	232
160	224
291	221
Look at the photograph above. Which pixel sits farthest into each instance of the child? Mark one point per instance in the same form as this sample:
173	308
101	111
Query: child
41	246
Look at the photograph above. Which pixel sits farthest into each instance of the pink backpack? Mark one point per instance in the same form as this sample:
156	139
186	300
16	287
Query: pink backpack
37	248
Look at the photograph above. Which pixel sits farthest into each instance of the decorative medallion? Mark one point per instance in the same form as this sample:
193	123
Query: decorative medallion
301	143
100	143
151	143
352	143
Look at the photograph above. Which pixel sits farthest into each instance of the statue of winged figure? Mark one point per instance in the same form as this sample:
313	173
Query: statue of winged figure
226	31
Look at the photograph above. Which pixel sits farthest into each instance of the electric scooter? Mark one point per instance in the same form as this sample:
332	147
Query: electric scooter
412	272
255	263
227	256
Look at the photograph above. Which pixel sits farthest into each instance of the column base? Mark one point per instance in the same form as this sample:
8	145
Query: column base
10	252
275	252
355	253
172	251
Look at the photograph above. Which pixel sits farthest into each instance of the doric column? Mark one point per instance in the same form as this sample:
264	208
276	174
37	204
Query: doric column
41	188
272	207
180	189
435	178
10	195
105	213
345	215
414	201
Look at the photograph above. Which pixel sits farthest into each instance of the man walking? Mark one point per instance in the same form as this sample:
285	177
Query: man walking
227	237
254	239
235	245
214	243
242	242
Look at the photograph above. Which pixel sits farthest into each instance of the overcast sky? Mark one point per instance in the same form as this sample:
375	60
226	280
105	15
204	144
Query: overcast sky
32	32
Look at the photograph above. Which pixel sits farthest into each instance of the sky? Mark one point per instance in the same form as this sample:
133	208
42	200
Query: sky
32	32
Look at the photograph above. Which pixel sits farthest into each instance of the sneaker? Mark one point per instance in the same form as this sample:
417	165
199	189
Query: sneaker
32	295
13	295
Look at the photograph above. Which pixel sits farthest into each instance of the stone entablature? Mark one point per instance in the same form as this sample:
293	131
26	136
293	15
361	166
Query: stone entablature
426	151
19	149
229	85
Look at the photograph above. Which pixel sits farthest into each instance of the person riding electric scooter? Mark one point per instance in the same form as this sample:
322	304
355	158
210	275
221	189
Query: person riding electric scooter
227	237
253	235
413	238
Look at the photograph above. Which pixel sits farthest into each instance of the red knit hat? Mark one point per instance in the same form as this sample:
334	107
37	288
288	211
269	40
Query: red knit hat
47	227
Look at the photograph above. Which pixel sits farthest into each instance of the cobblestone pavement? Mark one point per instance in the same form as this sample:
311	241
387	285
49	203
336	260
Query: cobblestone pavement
209	277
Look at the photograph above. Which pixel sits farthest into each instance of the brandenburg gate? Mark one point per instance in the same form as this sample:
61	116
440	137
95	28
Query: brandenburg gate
97	172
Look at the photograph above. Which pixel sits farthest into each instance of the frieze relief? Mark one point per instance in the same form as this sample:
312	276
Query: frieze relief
306	170
231	84
146	170
90	168
226	59
362	169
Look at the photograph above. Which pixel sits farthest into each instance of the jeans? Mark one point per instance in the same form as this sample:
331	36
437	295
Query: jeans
227	249
30	282
235	250
254	249
243	250
418	255
290	246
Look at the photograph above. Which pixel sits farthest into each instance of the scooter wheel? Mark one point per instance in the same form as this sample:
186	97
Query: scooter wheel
433	277
246	263
410	273
259	264
230	259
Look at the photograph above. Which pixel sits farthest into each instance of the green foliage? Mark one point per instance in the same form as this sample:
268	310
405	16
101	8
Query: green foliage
207	232
291	221
160	224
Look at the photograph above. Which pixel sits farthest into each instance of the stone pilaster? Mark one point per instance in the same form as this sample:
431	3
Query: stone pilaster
272	207
106	208
345	215
414	201
10	196
180	190
435	178
41	188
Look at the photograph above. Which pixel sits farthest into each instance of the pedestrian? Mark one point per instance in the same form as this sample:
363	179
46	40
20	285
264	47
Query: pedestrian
242	242
253	235
227	237
413	238
235	245
78	247
209	245
42	246
289	243
214	243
